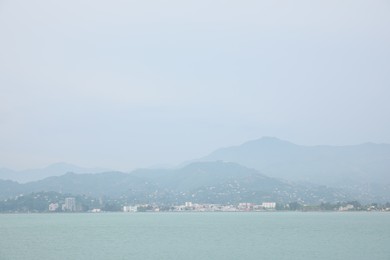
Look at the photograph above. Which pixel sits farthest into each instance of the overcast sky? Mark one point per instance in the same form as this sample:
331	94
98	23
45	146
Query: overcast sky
127	84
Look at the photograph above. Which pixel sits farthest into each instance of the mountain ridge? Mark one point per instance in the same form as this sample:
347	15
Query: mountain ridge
54	169
206	182
359	170
322	164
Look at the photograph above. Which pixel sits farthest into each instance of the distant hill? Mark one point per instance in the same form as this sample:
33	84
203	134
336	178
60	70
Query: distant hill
55	169
205	182
10	188
260	170
363	164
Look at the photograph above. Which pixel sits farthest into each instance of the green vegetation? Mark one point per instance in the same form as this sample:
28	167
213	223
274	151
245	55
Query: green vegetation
200	182
39	202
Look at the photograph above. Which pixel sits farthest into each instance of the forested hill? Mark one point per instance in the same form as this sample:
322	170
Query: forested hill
205	182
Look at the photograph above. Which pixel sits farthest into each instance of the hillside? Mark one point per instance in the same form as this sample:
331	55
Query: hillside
55	169
367	163
206	182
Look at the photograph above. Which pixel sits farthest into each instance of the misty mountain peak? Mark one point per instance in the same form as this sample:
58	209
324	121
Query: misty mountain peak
331	165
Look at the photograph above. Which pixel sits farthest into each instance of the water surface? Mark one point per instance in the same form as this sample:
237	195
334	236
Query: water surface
275	235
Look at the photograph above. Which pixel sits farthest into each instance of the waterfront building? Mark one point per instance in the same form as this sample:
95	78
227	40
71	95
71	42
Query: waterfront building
130	208
268	205
53	206
70	204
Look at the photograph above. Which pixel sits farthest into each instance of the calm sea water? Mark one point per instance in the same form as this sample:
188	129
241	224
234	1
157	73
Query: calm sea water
275	235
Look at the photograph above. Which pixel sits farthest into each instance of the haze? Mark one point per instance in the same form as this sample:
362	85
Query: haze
126	84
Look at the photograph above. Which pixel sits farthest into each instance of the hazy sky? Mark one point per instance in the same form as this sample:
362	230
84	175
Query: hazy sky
125	84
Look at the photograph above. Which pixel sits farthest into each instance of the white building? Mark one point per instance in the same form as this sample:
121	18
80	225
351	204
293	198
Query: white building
346	208
130	208
268	205
53	206
246	206
70	204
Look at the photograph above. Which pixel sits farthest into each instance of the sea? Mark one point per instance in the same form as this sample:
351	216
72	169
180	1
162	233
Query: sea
196	235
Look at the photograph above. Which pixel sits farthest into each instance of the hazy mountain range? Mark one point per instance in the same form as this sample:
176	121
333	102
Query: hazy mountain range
263	169
207	182
330	165
55	169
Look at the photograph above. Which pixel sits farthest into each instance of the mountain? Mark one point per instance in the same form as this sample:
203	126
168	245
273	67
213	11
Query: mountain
10	188
55	169
267	169
7	174
204	182
339	166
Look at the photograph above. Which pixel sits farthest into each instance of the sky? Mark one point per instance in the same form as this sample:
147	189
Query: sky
128	84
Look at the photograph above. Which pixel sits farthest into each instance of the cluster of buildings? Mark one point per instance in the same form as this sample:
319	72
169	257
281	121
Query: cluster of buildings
69	205
196	207
347	207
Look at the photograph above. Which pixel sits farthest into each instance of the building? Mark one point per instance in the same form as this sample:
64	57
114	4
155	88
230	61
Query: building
70	204
130	208
347	207
53	206
268	205
245	206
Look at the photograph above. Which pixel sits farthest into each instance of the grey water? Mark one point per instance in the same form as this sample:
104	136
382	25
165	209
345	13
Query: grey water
257	235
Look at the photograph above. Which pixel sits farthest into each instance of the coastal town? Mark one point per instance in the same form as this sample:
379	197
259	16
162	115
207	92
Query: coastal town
71	206
52	202
189	206
251	207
